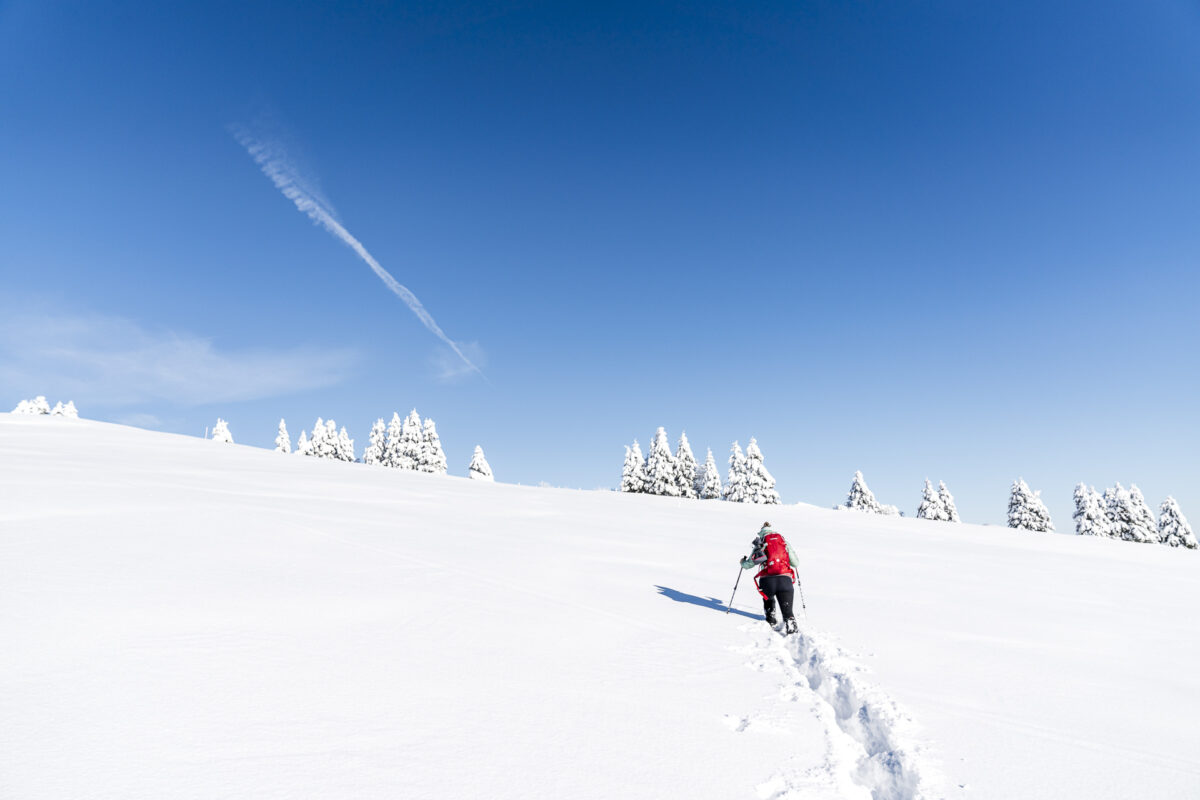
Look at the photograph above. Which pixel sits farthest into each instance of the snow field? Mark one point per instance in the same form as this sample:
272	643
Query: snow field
186	619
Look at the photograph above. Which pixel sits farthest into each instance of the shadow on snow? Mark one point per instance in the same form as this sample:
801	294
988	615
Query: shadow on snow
703	602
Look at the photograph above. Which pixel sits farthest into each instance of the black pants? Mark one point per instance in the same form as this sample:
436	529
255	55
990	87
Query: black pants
777	586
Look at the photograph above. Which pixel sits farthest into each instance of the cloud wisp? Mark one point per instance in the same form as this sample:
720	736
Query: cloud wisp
112	361
275	164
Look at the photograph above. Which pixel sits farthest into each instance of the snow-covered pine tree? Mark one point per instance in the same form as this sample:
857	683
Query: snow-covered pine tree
433	458
660	467
283	442
345	446
633	476
931	505
685	468
760	485
376	442
37	405
1026	511
409	456
319	446
70	411
330	447
735	482
1091	518
1144	525
1173	528
392	447
479	470
220	432
948	503
708	479
302	444
861	498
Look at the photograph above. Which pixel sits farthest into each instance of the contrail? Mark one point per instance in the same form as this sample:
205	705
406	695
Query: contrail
275	165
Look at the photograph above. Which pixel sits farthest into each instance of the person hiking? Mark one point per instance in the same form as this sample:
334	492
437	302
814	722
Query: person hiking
777	569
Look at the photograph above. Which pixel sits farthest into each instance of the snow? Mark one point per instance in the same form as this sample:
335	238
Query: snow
188	621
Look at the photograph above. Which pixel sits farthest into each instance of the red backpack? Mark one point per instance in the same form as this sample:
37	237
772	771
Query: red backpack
778	562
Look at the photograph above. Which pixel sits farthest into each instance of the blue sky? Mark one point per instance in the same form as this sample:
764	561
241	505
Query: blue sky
918	239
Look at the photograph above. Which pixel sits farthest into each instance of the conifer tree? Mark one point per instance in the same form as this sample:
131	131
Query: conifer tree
633	476
1091	517
860	497
345	446
433	458
220	432
392	446
1026	511
660	467
931	505
708	479
735	482
35	407
410	442
376	443
1173	528
1146	529
685	468
479	469
283	442
760	485
302	445
947	501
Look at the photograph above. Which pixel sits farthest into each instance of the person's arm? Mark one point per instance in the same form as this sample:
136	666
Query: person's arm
792	557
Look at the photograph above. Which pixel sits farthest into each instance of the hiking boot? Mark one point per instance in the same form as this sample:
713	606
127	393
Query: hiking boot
791	625
769	612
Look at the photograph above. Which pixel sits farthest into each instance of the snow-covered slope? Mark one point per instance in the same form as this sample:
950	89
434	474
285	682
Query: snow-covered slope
188	619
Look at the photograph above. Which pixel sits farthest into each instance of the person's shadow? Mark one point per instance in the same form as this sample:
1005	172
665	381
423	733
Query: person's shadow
709	602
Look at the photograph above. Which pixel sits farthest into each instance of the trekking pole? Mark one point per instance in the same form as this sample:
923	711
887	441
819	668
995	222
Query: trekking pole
729	607
803	607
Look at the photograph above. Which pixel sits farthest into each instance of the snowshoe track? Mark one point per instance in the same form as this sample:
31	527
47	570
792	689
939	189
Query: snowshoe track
873	750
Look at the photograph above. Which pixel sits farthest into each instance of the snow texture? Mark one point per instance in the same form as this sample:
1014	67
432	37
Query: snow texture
189	621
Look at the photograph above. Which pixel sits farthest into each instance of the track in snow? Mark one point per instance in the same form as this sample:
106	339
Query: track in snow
873	752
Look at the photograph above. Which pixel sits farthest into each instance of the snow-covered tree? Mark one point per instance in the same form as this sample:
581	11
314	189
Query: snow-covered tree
1091	517
37	405
433	458
409	452
708	479
283	442
479	470
1145	527
1173	528
931	505
220	432
889	511
1026	510
326	443
392	447
660	467
345	445
633	476
860	497
685	468
735	483
377	441
1126	520
69	411
947	500
302	444
760	485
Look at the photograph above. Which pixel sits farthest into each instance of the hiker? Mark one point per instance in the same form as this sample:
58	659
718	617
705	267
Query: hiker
774	556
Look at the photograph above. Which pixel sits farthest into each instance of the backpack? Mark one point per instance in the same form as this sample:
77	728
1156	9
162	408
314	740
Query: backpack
778	562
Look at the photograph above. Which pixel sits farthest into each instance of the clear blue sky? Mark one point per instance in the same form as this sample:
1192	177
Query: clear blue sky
943	239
